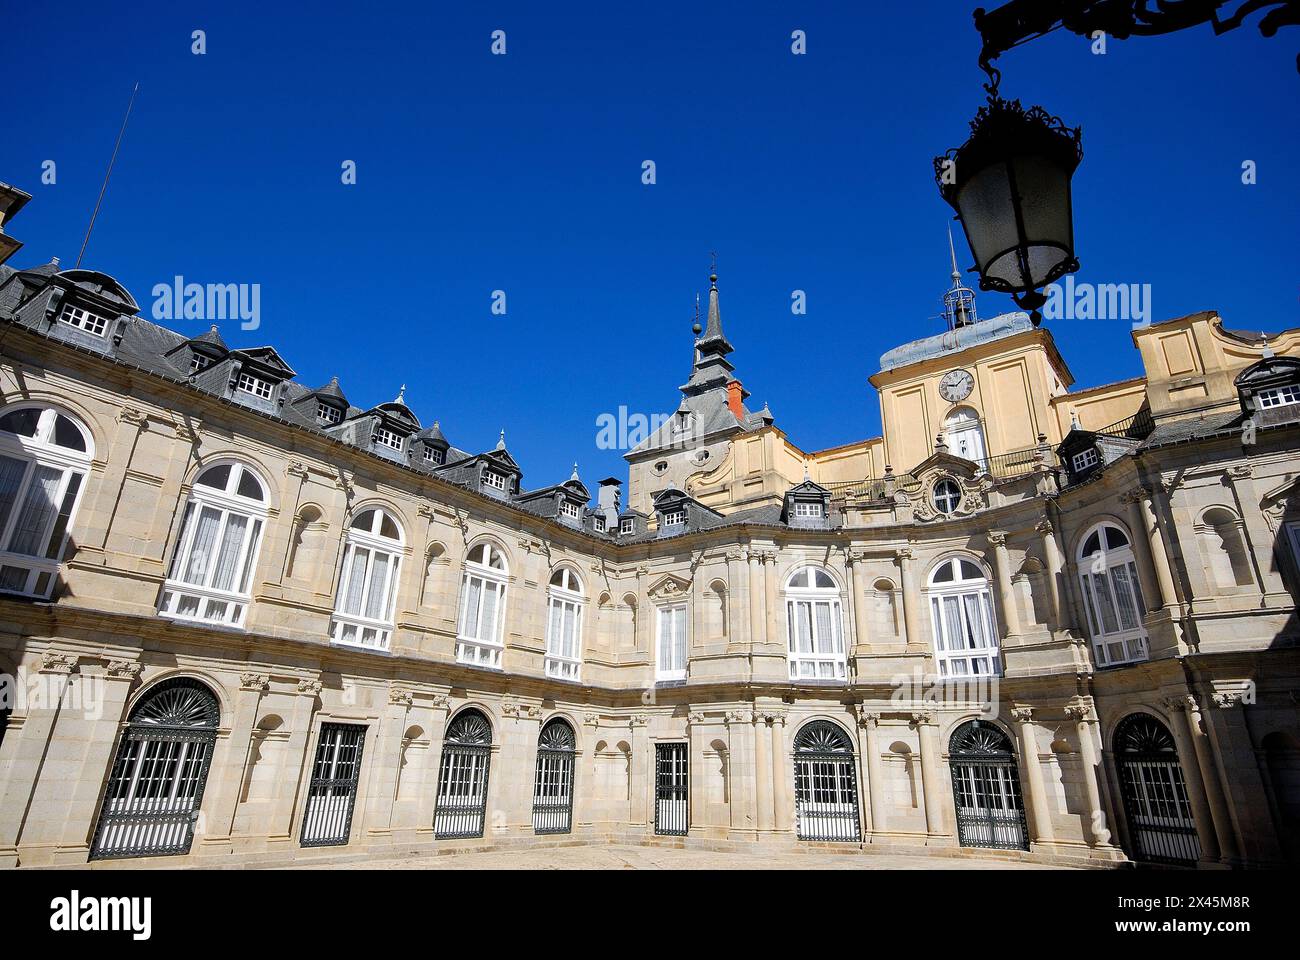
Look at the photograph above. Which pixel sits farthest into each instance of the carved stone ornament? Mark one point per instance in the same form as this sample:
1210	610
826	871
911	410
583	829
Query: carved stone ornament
739	716
54	661
254	681
868	718
399	695
669	587
312	687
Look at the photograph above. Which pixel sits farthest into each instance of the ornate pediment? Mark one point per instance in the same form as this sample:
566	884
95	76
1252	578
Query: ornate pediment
920	491
670	587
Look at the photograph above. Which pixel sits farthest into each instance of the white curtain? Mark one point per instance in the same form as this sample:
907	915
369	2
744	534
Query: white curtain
11	478
205	536
377	592
37	511
231	544
469	604
354	579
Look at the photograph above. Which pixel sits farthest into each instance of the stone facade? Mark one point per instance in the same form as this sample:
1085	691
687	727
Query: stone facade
1213	657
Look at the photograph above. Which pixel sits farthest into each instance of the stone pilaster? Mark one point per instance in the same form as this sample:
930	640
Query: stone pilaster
229	763
927	734
869	723
1040	814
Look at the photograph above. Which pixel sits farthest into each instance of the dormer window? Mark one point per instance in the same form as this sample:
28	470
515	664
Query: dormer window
626	525
570	509
433	455
387	438
497	481
200	361
600	524
328	414
1084	459
1278	396
255	385
674	518
83	320
808	511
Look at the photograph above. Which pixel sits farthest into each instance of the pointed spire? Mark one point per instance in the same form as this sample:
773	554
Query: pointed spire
959	300
952	251
401	395
807	477
575	471
501	441
714	342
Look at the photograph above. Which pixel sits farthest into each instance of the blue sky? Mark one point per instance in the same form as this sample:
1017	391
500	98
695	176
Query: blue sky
522	173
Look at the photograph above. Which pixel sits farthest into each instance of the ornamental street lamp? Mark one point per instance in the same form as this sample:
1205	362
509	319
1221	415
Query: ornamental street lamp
1010	186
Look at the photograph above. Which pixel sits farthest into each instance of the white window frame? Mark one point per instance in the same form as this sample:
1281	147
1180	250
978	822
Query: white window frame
565	604
35	574
83	319
1085	459
1111	574
570	509
599	523
248	383
964	434
956	651
626	525
481	647
1284	396
194	597
674	518
389	438
355	628
826	660
672	652
200	362
808	510
497	481
328	414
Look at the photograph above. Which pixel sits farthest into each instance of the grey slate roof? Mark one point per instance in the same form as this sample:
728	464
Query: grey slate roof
951	341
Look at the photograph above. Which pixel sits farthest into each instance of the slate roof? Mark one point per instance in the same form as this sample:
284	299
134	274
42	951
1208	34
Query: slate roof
951	341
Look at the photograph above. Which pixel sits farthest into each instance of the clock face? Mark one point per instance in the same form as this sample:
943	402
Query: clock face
956	385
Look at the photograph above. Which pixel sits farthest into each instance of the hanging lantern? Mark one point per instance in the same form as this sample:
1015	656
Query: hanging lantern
1010	186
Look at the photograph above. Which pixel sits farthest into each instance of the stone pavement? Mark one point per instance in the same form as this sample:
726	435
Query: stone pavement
626	857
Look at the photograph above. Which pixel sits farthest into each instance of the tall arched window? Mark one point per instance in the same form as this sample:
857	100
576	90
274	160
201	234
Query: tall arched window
564	626
825	783
363	611
1113	596
553	783
44	457
1160	823
479	637
964	435
212	569
156	785
463	777
961	613
816	626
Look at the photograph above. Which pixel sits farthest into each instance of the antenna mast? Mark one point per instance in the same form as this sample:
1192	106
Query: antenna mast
108	173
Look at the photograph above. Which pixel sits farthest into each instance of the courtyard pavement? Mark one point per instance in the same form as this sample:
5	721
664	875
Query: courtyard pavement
620	857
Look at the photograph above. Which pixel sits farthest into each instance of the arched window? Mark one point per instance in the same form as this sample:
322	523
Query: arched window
1160	821
964	435
212	569
816	630
363	611
44	457
1113	596
156	785
961	614
482	607
564	626
986	788
463	777
825	783
553	784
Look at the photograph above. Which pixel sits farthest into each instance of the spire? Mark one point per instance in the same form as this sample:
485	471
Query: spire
959	300
401	396
501	441
714	342
575	472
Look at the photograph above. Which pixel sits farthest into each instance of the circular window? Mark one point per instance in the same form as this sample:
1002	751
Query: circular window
701	456
947	496
661	466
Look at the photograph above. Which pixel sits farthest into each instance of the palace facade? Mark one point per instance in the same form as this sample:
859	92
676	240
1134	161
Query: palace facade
245	620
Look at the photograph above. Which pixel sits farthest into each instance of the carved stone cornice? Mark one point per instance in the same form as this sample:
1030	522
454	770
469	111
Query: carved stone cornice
923	718
131	415
1240	471
521	711
996	538
310	687
869	719
296	468
123	669
638	720
904	554
439	701
695	718
401	696
55	661
1081	709
739	716
1022	714
591	719
1227	699
254	681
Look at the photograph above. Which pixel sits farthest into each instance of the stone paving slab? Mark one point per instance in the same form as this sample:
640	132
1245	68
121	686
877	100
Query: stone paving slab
619	857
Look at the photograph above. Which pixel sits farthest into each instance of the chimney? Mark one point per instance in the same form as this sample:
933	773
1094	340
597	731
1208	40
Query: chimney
735	394
609	495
